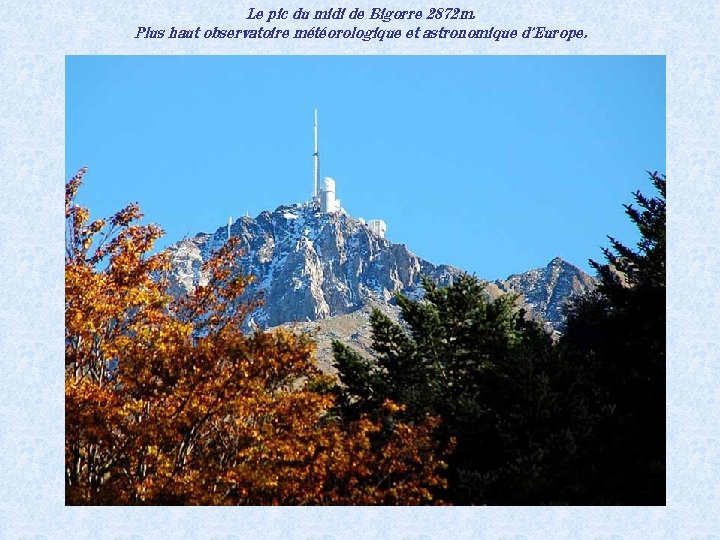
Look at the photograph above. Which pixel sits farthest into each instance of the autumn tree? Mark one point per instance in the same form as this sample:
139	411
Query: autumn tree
169	402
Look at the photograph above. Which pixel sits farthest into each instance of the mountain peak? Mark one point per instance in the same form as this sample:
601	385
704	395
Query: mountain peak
310	265
549	291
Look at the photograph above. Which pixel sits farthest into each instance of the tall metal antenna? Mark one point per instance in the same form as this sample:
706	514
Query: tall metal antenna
316	159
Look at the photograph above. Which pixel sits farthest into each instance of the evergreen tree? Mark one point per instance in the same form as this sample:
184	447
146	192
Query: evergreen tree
581	422
485	370
615	342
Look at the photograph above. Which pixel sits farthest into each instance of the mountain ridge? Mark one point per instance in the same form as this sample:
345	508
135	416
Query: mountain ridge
311	265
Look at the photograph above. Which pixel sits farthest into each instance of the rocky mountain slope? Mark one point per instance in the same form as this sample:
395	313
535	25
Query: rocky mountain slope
313	266
309	265
549	290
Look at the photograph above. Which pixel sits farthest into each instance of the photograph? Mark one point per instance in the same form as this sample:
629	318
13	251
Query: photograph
365	280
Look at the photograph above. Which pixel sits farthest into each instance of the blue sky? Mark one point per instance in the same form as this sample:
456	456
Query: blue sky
494	164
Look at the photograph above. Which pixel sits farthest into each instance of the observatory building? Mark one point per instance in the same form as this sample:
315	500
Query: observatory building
377	226
325	198
328	203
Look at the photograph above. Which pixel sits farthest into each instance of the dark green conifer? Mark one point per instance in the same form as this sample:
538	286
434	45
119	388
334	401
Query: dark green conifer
615	341
479	365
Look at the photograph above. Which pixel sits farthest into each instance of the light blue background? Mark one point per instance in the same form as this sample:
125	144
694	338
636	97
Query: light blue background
494	164
36	36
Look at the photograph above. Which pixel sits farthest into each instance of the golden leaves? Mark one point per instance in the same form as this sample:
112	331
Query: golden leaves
169	402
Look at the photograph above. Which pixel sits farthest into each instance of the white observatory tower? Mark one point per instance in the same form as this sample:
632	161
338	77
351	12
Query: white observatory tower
328	202
325	195
316	160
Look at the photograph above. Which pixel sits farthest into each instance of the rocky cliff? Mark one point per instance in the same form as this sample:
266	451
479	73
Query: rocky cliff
311	266
549	290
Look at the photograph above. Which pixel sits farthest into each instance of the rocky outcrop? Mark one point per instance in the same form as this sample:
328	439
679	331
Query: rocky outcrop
310	266
549	290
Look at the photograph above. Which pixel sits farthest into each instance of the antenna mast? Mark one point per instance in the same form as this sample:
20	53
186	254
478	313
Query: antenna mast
316	159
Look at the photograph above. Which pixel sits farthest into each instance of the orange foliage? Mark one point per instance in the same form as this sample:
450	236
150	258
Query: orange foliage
168	402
